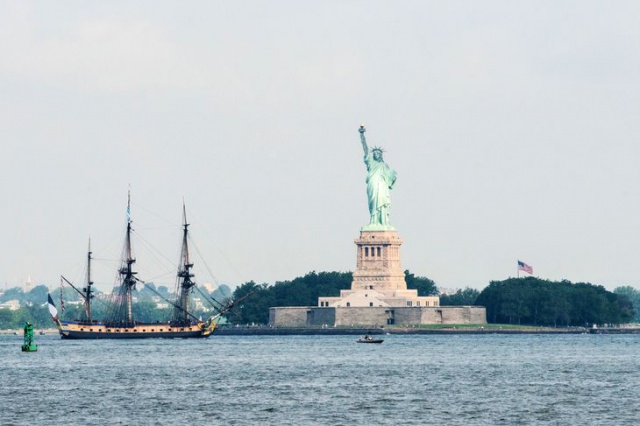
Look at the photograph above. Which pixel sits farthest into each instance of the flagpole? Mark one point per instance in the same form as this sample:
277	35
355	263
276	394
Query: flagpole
517	270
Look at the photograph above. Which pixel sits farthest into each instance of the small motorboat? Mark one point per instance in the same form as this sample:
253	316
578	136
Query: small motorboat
369	339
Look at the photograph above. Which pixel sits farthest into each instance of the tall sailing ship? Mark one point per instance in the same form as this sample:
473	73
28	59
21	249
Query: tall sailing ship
120	322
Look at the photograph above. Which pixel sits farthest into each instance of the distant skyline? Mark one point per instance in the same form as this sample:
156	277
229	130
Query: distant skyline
513	127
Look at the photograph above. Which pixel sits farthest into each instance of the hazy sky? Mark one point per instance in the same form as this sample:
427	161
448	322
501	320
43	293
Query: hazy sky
514	128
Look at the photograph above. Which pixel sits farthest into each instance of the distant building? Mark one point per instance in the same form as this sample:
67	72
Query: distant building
12	305
197	303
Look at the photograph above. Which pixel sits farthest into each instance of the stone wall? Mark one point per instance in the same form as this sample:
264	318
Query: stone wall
288	316
441	315
375	316
362	316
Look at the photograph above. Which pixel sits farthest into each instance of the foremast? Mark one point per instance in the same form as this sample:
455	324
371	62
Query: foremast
88	290
184	276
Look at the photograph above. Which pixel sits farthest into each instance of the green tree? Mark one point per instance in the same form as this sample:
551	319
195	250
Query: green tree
8	319
466	297
424	285
36	295
146	311
301	291
253	307
633	296
534	301
14	293
222	292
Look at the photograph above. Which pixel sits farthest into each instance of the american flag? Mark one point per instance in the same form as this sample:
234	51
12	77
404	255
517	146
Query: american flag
524	267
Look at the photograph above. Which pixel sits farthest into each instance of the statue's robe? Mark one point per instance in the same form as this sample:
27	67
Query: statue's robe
380	180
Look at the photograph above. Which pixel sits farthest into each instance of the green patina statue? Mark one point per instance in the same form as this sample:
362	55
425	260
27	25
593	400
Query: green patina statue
380	181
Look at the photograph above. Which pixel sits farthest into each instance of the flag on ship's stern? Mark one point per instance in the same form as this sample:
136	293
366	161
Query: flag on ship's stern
52	308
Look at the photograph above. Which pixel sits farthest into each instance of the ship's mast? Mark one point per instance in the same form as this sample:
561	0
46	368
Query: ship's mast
126	271
184	274
88	290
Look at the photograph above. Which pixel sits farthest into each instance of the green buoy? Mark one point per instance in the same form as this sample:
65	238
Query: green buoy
29	345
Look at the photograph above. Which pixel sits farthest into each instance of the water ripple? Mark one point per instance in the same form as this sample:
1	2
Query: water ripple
311	380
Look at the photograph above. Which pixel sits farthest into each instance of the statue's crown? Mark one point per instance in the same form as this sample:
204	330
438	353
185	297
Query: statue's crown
377	148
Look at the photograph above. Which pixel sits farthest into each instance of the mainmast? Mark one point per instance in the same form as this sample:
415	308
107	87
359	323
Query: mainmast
126	271
88	291
185	276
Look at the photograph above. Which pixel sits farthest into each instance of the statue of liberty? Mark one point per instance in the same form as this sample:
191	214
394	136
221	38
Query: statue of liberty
380	181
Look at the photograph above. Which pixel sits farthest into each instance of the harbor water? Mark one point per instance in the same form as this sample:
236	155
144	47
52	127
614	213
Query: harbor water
324	380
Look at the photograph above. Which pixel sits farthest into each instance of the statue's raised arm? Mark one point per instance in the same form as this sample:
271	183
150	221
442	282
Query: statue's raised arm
363	140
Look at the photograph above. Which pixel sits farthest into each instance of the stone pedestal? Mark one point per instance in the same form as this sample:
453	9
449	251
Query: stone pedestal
378	281
378	262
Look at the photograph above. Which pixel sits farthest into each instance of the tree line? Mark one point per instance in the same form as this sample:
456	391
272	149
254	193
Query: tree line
525	301
533	301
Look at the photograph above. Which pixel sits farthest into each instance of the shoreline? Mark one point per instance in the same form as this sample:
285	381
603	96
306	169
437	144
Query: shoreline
19	331
308	331
314	331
